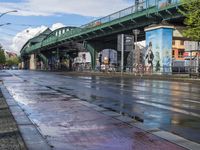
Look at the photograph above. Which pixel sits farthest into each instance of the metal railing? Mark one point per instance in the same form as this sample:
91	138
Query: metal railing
143	70
130	10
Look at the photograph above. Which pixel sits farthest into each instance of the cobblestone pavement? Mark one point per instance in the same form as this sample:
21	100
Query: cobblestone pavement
10	138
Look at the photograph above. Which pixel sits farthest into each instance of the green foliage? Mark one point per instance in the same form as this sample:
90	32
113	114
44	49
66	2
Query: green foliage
12	61
192	14
2	56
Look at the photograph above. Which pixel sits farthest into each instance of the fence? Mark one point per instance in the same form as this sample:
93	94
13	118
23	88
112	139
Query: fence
144	70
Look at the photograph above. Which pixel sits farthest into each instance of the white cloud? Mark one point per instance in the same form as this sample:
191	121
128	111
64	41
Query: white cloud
17	42
93	8
57	26
22	37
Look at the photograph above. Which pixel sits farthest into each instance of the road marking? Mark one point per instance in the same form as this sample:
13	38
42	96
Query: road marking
168	108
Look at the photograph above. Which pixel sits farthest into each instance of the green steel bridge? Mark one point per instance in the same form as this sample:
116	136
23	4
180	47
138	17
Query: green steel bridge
102	33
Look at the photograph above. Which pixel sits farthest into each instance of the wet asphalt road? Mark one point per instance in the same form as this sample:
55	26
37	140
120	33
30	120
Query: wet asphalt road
170	106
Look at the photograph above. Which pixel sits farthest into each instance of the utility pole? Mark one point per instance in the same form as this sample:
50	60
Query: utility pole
122	53
137	51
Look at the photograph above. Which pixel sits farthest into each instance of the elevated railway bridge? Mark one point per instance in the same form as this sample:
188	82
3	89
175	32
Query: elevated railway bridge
101	33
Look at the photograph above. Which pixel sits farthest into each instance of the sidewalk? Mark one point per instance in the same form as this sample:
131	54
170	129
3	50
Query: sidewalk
19	133
10	138
49	119
71	124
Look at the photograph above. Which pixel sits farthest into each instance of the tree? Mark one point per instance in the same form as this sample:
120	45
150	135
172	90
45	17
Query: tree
2	56
12	61
192	14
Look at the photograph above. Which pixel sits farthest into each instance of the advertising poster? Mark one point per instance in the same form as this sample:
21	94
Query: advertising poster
159	50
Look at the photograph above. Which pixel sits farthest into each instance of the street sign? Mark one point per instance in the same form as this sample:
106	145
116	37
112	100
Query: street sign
128	42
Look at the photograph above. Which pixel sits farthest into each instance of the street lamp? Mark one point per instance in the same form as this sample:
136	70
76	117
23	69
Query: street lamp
4	24
136	32
7	12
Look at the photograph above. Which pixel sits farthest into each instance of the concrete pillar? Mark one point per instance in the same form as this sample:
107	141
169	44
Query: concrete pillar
159	52
22	65
93	54
44	61
32	65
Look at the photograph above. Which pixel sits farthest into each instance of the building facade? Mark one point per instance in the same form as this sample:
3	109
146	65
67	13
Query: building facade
178	49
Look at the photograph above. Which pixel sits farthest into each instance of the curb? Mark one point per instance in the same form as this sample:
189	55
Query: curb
175	78
30	134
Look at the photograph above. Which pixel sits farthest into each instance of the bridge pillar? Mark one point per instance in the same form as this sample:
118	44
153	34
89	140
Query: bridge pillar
22	65
25	62
158	57
32	65
93	54
44	61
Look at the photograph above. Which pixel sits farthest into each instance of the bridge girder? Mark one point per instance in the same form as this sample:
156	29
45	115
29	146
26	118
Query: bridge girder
125	24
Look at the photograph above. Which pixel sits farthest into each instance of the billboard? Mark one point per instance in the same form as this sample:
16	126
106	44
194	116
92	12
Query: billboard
159	51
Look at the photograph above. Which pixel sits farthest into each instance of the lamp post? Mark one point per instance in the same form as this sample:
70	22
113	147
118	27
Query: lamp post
136	32
7	12
1	15
4	24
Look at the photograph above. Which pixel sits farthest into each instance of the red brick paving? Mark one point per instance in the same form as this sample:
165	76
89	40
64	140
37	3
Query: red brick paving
71	125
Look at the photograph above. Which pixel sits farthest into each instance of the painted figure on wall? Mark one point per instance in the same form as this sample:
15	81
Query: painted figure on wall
157	61
161	41
166	62
149	57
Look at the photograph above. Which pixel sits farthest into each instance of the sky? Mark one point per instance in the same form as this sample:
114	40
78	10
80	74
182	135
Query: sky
34	16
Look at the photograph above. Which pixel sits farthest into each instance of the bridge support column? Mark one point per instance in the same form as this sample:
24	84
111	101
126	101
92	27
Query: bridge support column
44	60
25	62
93	54
32	65
22	65
158	58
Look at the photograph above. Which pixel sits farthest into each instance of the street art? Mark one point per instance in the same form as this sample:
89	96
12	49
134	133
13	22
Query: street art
160	42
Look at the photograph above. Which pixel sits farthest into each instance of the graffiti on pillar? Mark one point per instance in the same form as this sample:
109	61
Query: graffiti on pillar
159	43
149	57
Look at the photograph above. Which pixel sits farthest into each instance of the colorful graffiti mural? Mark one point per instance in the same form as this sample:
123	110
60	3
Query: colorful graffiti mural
159	52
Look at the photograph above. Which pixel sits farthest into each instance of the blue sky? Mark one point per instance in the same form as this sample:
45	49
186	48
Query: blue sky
35	14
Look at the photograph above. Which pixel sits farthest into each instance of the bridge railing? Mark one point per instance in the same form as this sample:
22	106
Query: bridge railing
130	10
146	4
133	9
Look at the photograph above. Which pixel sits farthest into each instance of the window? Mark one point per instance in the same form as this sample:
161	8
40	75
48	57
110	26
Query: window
173	42
182	42
180	53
